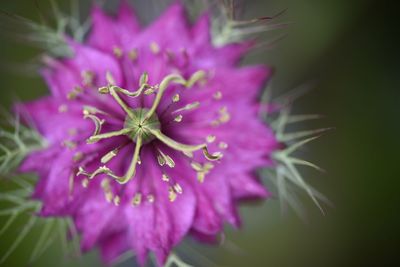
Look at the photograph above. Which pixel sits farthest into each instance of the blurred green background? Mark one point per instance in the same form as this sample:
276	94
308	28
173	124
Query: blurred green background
349	49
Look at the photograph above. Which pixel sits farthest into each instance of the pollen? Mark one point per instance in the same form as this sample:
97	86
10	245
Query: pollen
211	138
133	54
87	77
217	95
178	118
63	108
117	52
74	93
155	48
137	199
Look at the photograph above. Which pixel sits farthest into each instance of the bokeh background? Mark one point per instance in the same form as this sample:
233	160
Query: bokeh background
348	49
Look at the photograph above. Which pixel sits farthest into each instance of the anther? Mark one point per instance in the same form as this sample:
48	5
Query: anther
117	52
223	145
155	48
87	77
109	156
165	159
110	78
150	198
178	118
69	144
117	200
133	54
85	183
137	199
175	98
188	107
165	177
224	115
171	194
78	156
217	95
178	189
97	122
210	138
63	108
105	184
201	170
74	93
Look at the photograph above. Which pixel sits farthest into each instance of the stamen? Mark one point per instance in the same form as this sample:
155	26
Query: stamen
117	52
110	78
120	179
97	122
150	198
183	147
217	95
74	93
175	78
165	177
211	138
175	98
202	170
114	90
137	199
69	144
117	200
77	157
165	159
133	54
223	145
63	108
171	194
109	156
178	189
85	183
188	154
224	115
98	137
89	110
88	77
105	184
155	48
178	118
188	107
173	191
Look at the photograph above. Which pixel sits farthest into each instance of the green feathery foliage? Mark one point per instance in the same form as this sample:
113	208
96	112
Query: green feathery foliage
227	28
18	141
285	174
47	36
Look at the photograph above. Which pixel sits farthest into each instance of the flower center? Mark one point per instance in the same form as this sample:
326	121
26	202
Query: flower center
142	126
138	126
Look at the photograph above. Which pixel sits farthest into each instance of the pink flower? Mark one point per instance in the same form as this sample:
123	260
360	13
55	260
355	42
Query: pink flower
152	134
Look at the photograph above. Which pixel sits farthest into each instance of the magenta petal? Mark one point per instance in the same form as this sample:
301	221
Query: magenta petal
44	115
108	33
113	246
166	29
200	32
247	187
161	225
102	35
